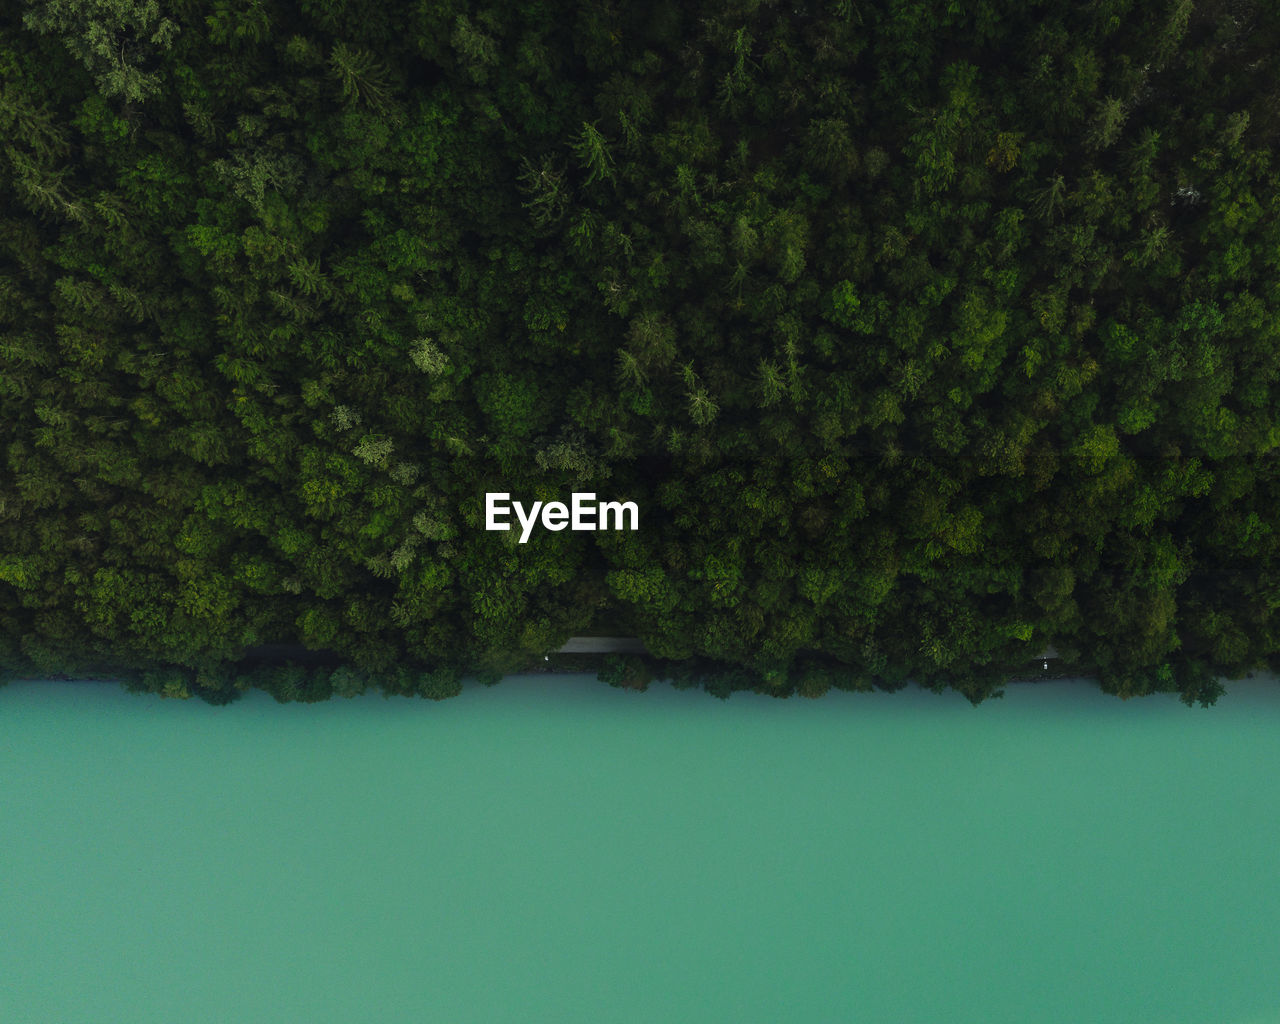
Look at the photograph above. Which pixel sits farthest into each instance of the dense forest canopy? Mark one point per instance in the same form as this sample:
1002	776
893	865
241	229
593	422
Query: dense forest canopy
921	334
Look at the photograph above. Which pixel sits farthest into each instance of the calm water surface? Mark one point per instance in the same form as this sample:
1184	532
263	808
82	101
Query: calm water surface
551	849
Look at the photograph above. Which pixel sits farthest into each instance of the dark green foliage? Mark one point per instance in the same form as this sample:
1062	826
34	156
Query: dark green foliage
922	335
629	672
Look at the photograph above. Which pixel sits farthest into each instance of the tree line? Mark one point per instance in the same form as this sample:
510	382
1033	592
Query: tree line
921	335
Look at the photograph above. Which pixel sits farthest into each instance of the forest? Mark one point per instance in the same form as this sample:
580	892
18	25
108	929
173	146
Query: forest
922	335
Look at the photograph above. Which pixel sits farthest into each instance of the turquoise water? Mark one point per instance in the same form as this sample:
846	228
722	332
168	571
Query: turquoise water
552	849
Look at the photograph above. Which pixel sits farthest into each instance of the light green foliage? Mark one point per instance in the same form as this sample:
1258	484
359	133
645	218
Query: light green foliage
477	51
428	358
545	187
1048	200
592	151
1106	127
571	455
847	309
360	77
110	38
374	450
344	417
647	587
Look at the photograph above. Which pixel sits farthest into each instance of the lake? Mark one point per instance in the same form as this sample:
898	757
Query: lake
553	849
